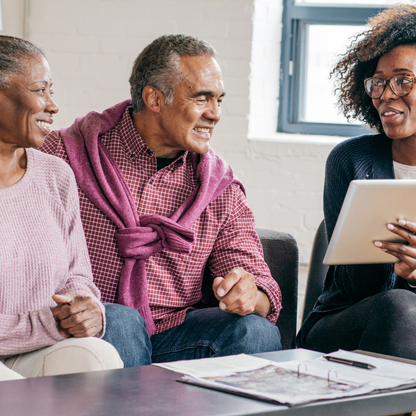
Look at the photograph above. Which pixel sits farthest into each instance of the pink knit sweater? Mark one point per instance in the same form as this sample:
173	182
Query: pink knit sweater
42	252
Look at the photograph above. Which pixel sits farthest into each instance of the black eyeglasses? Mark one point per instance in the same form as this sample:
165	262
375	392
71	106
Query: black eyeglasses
400	85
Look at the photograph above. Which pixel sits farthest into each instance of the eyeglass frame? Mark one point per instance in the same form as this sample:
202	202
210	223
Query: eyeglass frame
387	83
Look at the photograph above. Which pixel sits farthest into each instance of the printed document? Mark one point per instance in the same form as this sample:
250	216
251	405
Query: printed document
296	382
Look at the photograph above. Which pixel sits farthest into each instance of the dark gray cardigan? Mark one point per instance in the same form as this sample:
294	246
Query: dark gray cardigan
364	157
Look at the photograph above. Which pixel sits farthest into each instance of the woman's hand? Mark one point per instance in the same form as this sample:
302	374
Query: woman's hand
406	267
77	316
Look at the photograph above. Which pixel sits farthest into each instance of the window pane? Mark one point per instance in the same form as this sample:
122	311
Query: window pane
324	45
335	3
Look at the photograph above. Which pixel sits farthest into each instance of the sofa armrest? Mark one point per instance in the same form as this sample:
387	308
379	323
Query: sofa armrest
282	256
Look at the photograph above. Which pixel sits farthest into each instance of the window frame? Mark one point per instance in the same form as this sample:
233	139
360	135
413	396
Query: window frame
292	66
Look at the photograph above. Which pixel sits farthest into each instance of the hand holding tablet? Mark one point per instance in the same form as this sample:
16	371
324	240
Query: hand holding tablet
404	252
369	206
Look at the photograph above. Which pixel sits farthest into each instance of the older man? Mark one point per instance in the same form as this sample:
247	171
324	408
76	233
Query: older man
158	206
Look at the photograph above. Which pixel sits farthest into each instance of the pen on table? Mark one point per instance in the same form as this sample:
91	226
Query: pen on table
349	362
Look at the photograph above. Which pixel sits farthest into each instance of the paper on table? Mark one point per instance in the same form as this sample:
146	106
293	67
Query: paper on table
216	365
384	367
387	374
278	384
297	382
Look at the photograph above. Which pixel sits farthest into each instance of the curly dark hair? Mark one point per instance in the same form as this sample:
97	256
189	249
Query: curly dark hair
158	65
392	27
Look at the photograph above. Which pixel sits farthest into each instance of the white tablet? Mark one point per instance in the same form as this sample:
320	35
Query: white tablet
368	207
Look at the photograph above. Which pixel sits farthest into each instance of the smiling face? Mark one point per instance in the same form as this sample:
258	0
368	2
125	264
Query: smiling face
188	123
27	107
397	114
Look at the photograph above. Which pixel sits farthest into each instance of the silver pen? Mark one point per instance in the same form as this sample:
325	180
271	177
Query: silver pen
349	362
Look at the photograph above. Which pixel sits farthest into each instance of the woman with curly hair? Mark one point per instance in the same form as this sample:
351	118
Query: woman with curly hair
373	307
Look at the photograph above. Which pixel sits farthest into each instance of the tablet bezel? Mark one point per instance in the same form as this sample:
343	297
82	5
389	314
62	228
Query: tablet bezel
369	205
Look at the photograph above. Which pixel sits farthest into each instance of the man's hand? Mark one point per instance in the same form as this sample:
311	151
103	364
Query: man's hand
238	293
77	316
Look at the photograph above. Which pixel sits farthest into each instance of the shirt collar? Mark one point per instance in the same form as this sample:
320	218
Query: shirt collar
131	139
133	142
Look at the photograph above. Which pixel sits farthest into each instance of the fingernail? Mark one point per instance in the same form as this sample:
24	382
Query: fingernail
221	292
377	243
390	227
222	306
401	222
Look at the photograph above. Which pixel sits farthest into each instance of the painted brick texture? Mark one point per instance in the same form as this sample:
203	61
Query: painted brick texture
91	46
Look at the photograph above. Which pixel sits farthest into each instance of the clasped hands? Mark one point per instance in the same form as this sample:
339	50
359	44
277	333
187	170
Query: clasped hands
406	266
238	293
77	316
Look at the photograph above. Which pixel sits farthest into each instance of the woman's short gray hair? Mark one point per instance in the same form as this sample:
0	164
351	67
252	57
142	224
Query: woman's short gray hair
158	65
13	53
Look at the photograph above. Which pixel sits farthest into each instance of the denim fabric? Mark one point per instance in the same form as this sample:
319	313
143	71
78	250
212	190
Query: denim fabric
126	330
208	332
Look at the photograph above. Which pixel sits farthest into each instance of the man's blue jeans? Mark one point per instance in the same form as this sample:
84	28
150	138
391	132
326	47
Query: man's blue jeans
208	332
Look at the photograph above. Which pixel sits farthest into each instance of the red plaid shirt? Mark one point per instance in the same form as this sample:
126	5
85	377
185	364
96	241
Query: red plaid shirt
224	233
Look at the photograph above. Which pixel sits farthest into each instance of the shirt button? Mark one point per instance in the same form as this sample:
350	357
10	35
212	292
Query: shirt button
132	155
151	181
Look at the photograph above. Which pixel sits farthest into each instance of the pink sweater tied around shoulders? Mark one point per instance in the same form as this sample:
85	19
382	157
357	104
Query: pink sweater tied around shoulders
138	237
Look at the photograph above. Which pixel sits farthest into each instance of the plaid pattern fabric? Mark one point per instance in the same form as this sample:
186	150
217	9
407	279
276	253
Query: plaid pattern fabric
224	233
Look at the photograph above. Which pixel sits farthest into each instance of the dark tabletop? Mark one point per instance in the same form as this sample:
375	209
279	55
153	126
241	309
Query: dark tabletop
151	390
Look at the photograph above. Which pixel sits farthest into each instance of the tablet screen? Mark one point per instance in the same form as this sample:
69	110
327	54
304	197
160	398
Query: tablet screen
368	207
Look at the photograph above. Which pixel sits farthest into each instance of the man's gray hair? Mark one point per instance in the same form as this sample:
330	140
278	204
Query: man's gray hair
158	65
13	55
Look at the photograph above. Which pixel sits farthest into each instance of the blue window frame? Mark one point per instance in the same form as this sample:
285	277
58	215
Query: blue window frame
297	19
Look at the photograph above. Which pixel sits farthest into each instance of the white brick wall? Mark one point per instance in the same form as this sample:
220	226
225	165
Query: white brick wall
91	46
12	16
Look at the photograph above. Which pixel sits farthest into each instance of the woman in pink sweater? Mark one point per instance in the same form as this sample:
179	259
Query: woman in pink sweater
51	317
